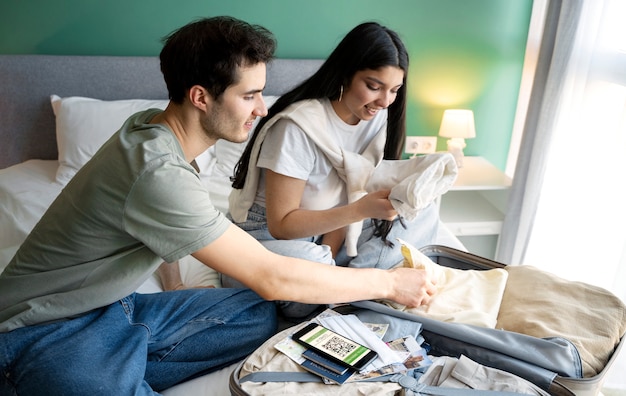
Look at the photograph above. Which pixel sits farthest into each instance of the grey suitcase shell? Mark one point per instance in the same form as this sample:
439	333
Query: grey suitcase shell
450	257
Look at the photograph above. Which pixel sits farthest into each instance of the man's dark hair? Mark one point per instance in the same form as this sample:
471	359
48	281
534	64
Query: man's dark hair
208	51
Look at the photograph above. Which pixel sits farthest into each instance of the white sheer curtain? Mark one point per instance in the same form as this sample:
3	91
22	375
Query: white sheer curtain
548	54
575	217
580	224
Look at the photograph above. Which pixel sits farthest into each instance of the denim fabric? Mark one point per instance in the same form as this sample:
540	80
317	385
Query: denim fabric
398	327
136	346
372	251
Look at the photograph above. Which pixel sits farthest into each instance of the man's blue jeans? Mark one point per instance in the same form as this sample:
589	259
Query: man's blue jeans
136	346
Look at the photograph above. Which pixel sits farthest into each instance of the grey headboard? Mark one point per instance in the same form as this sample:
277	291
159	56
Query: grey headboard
26	82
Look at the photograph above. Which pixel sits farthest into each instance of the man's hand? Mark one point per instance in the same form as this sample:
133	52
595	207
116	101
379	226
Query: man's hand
413	287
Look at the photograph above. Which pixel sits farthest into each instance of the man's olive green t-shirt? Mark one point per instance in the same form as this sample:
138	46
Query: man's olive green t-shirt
135	204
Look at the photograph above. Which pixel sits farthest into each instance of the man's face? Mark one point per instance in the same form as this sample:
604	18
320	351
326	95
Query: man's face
231	117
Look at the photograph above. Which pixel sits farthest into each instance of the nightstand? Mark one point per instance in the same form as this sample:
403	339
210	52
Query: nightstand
473	209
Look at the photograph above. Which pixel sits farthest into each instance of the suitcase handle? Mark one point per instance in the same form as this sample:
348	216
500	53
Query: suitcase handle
405	381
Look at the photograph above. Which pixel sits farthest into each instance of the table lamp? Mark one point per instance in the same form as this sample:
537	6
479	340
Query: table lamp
457	125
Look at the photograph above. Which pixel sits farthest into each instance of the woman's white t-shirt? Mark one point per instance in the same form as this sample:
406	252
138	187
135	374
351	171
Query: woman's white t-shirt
288	150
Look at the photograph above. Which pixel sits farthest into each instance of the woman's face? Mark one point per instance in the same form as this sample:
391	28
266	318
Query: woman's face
368	92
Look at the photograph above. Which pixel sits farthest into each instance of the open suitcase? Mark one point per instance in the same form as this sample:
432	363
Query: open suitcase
536	359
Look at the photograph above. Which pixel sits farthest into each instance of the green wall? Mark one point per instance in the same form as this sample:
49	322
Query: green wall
464	53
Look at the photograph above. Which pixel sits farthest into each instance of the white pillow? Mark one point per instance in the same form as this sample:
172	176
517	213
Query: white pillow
84	124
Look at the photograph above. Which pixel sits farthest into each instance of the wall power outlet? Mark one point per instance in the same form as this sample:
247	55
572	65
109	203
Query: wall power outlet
420	144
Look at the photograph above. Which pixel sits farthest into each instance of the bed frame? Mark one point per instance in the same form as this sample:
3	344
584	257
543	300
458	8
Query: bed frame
27	125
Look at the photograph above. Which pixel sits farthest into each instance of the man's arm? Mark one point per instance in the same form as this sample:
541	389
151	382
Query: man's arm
276	277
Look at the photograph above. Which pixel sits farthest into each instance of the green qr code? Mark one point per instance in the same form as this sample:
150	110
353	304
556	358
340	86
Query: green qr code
339	346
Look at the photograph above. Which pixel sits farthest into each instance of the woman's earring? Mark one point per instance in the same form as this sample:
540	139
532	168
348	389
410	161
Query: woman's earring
341	93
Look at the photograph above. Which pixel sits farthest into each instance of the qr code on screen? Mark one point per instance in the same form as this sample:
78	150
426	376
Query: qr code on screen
339	346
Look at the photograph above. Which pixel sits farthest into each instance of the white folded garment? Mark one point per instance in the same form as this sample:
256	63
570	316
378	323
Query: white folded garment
416	182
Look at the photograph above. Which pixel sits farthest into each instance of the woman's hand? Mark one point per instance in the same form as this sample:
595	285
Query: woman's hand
376	205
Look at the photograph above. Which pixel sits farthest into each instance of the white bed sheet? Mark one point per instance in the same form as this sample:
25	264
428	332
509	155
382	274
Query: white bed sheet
27	189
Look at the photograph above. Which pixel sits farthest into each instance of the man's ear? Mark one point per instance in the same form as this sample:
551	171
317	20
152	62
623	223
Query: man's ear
200	97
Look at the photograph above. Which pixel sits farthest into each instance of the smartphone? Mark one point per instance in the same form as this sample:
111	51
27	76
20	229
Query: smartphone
334	346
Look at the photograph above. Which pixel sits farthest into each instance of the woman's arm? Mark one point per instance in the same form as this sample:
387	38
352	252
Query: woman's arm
334	239
285	219
276	277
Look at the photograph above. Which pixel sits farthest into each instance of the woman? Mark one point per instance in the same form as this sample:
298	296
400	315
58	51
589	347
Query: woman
294	191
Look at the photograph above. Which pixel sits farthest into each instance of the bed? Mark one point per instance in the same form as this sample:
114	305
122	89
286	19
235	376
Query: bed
57	110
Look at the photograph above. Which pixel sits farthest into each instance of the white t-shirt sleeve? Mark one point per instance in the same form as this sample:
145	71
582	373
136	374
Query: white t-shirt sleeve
288	151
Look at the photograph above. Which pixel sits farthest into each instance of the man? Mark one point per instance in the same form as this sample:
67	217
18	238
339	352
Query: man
70	322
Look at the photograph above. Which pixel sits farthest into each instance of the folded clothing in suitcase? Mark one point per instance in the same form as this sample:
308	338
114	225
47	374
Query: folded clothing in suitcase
540	304
559	355
532	302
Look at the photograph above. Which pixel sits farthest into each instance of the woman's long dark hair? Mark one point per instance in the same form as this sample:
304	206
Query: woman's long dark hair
369	46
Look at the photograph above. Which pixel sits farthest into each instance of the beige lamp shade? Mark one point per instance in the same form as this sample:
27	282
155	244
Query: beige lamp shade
457	123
